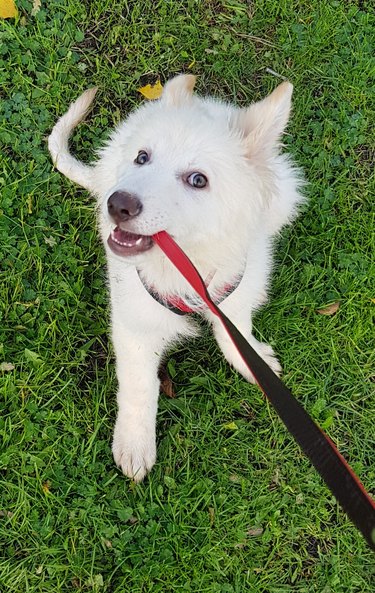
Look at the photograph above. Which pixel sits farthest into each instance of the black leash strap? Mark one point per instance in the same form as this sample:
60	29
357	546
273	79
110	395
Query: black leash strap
318	447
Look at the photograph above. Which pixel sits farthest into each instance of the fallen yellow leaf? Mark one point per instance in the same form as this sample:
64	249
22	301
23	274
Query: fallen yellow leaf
152	91
330	310
231	426
46	487
8	9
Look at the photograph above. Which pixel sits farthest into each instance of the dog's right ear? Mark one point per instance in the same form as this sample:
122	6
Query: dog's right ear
178	90
263	123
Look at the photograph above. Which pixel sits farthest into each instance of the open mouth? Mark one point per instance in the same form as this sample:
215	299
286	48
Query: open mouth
125	243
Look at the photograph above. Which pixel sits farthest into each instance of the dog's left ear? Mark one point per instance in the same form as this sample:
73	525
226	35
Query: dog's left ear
178	90
263	123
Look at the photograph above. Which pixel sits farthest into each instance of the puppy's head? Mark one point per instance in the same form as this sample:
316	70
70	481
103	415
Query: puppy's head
197	168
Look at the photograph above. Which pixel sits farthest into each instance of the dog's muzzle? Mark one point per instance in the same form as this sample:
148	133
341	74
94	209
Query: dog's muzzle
122	207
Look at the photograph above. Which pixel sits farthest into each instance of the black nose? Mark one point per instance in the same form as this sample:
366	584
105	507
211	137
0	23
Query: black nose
123	206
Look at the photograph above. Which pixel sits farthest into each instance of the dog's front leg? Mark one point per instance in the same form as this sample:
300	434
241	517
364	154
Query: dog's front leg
242	320
134	441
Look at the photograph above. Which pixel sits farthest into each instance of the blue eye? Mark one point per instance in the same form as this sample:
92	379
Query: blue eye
142	158
197	180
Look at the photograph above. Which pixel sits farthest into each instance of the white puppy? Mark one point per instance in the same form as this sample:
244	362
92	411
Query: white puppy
211	175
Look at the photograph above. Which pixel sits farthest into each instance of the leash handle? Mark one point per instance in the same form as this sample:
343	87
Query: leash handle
317	446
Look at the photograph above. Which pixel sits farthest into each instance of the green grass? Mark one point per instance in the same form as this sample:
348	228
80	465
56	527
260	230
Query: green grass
225	510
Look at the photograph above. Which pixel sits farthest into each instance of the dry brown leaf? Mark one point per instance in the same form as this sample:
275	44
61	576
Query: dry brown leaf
8	514
166	383
254	531
166	387
152	91
330	310
36	7
8	9
6	366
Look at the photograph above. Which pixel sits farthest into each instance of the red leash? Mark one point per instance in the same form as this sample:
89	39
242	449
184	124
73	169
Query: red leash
318	447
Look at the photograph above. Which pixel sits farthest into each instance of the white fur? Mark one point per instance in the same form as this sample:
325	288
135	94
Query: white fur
226	228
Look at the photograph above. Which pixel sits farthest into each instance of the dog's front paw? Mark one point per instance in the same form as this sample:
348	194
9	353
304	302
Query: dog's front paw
266	352
134	448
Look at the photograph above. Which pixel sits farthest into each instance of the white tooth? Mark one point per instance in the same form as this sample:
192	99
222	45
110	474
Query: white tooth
138	241
118	242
